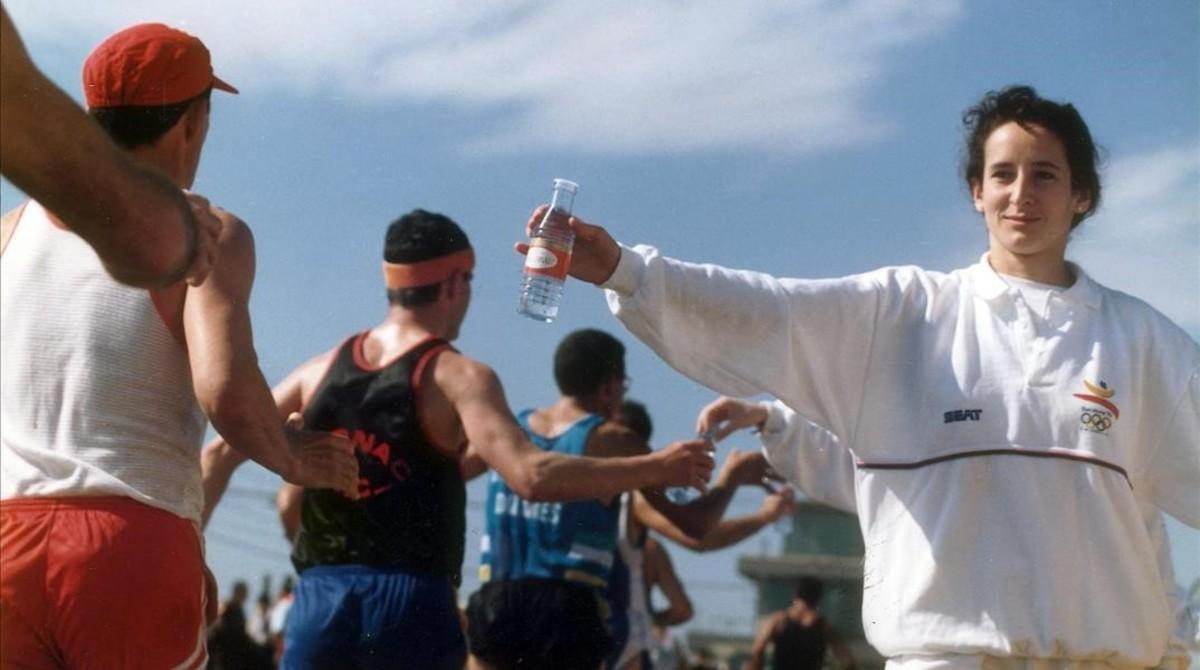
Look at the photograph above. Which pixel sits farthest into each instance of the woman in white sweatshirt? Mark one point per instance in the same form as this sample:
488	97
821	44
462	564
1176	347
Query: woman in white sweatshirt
1016	427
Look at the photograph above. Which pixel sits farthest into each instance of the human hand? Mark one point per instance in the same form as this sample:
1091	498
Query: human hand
208	232
688	463
778	505
725	415
595	254
323	460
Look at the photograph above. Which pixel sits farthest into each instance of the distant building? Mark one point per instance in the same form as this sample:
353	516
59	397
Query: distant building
823	543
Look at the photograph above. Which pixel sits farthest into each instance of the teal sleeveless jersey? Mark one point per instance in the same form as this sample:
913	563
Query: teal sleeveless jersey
572	541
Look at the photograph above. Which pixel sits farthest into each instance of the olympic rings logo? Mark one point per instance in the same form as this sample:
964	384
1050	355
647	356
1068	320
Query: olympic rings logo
1097	422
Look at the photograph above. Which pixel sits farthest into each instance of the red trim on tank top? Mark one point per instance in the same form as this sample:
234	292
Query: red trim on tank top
415	383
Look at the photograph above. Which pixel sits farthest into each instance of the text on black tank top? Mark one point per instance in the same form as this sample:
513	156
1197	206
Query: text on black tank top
411	509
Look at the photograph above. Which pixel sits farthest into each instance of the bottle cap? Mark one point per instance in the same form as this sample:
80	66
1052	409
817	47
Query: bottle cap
566	185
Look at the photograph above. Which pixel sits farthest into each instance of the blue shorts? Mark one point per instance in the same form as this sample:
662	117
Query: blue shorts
353	616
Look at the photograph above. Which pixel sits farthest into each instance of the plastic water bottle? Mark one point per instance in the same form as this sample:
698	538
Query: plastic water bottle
549	256
682	495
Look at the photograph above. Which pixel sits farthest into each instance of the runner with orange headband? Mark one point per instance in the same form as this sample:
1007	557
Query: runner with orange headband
378	575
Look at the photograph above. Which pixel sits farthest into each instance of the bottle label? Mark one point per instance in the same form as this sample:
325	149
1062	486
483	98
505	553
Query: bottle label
549	259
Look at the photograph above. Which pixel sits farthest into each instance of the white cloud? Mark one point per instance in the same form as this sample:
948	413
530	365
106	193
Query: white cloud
1145	240
783	76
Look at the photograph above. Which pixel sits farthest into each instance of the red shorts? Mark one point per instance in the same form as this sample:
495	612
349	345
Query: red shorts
103	582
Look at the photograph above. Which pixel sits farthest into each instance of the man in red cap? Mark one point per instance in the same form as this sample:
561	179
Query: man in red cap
105	392
140	223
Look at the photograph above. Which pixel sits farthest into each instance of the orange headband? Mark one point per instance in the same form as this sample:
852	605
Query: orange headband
424	273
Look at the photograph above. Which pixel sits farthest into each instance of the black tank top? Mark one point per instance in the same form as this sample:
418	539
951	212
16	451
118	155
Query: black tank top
799	647
411	511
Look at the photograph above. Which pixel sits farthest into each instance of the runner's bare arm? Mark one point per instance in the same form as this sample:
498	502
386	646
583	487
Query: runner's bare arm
726	533
230	386
139	222
662	572
474	391
695	520
218	460
471	465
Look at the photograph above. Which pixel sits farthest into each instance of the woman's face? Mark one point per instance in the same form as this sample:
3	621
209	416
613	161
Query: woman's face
1026	199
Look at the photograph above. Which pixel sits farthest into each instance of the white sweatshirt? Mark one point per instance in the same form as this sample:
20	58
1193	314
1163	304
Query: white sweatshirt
1005	481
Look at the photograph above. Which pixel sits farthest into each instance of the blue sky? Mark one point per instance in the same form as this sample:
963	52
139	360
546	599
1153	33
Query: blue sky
799	138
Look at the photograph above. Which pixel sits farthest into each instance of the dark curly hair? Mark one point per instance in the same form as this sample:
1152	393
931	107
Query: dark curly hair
585	360
633	415
1023	105
809	589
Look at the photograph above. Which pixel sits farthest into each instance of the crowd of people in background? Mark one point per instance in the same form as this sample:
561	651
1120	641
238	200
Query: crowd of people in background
248	634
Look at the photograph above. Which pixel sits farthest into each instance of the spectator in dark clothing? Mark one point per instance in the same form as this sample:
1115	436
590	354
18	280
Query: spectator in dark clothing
799	634
229	646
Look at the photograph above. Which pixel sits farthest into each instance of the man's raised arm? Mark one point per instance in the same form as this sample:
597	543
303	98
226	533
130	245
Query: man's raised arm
695	519
726	532
219	460
478	397
230	387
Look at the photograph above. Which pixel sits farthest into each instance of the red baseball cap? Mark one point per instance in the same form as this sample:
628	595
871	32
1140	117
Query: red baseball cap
148	65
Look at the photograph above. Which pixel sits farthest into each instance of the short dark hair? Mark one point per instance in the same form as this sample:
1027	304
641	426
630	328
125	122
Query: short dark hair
1023	105
420	236
520	623
633	415
809	589
585	360
135	126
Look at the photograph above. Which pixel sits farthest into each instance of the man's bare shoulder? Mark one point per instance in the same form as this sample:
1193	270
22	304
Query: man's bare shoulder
298	387
227	217
234	231
313	369
457	370
234	269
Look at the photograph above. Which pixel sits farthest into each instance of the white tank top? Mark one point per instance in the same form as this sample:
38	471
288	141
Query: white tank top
641	633
96	395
